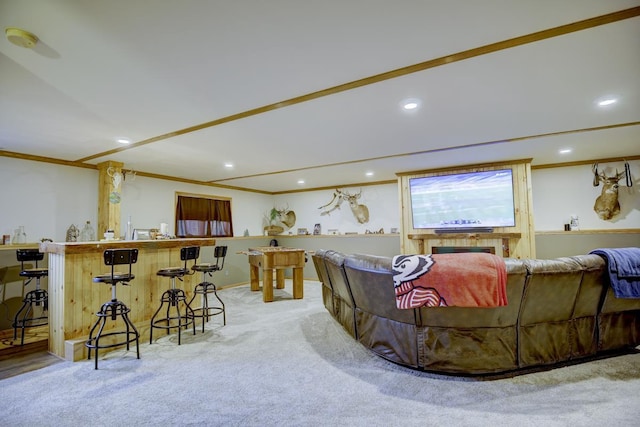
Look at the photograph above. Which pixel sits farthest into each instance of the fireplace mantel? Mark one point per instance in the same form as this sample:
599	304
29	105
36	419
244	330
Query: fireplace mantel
464	236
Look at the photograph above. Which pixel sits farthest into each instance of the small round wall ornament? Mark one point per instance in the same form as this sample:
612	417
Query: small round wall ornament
114	197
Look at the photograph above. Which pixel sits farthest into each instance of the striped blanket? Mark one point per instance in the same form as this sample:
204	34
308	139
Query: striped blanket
446	280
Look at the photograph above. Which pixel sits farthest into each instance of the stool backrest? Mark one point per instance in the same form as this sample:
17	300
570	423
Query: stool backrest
29	255
220	252
115	257
190	252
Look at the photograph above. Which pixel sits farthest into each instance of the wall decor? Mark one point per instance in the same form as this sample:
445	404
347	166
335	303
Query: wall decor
607	205
360	211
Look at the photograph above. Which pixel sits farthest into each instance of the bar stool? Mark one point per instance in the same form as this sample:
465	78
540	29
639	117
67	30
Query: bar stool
205	288
175	298
26	317
114	309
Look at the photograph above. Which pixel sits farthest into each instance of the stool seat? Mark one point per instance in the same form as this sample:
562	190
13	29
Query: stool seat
117	277
206	267
172	272
34	272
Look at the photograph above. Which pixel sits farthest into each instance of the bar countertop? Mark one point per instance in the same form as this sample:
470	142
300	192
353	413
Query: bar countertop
86	247
20	246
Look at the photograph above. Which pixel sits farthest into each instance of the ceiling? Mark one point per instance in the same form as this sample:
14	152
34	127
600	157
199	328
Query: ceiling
300	90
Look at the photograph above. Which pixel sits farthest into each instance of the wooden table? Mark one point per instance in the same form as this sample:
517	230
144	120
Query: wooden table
74	298
277	258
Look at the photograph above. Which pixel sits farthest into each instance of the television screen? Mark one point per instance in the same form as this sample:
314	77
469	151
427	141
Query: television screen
463	200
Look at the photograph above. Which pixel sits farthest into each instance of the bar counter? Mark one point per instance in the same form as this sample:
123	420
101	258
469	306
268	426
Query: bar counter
74	298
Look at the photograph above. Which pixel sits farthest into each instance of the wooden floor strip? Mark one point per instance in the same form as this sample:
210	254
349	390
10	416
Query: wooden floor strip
24	363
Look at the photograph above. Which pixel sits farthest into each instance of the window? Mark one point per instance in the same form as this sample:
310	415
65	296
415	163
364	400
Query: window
202	216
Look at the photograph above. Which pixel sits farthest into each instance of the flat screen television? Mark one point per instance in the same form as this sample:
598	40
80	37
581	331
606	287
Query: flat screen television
463	200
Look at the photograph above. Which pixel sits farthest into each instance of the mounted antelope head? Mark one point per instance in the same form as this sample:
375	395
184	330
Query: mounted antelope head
607	205
361	212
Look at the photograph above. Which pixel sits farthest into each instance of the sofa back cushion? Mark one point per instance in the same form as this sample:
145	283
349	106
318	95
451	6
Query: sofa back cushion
471	317
344	308
618	318
593	286
382	327
323	276
548	330
321	270
371	280
334	262
552	290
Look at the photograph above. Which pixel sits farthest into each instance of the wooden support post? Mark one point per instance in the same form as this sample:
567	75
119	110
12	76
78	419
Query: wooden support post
109	197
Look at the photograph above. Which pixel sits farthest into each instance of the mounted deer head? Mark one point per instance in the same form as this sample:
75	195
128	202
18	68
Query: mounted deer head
361	212
119	176
607	205
287	217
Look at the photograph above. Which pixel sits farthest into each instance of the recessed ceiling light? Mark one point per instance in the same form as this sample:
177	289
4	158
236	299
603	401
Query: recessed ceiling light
607	101
123	141
410	104
228	165
369	174
565	151
301	181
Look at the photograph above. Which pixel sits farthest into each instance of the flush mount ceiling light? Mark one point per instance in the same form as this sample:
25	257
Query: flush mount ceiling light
20	37
228	165
301	181
123	141
565	151
369	174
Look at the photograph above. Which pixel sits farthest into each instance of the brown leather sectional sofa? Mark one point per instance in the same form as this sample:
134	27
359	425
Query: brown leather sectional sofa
559	311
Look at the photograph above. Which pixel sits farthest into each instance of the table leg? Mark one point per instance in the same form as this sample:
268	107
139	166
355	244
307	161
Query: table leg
280	278
267	285
254	273
298	282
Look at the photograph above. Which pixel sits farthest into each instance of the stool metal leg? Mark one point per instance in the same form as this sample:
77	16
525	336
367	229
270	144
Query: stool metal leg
36	298
172	298
205	312
113	309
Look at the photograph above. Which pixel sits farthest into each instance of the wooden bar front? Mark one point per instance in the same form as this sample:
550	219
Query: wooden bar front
74	298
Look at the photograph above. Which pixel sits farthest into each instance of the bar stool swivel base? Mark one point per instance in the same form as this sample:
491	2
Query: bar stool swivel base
174	298
24	316
207	311
112	310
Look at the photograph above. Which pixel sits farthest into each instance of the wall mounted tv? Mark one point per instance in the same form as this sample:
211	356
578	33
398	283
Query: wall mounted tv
472	200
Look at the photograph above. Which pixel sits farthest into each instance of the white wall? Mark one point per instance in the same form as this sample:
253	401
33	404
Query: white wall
559	193
152	201
48	198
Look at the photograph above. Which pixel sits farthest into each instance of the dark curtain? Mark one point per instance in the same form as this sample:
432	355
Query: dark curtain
200	217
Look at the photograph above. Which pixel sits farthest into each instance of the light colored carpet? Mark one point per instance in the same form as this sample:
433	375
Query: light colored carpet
288	363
